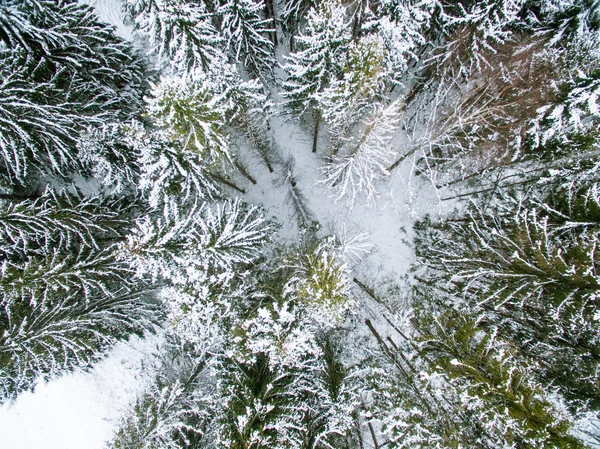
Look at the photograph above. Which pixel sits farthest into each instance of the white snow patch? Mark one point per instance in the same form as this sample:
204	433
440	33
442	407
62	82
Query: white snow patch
387	221
82	409
111	12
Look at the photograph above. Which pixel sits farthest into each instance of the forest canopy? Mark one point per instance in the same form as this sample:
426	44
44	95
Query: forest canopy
173	183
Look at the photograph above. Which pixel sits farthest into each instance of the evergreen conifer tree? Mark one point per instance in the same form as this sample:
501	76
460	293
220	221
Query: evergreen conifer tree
531	275
181	34
65	295
62	70
178	410
190	113
318	60
247	35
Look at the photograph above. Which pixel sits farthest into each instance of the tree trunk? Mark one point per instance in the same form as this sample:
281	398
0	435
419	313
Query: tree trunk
373	435
402	158
270	10
316	131
225	181
367	290
395	361
244	172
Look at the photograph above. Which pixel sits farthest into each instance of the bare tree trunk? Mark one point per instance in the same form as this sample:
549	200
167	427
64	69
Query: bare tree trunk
366	289
244	172
373	435
402	158
398	365
270	10
316	130
225	181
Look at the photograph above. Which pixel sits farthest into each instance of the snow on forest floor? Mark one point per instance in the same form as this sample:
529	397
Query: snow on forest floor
109	11
80	410
387	221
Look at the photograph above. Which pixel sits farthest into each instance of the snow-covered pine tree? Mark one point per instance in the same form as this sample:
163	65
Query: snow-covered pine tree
53	220
247	36
64	35
531	272
64	295
61	311
575	21
361	83
107	158
365	159
293	17
168	171
247	110
179	409
181	34
283	390
241	98
45	334
189	112
471	30
317	61
574	113
321	283
187	245
284	379
325	400
255	392
492	384
63	271
62	70
402	25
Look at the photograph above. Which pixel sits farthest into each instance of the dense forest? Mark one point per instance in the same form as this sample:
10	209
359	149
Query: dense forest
126	167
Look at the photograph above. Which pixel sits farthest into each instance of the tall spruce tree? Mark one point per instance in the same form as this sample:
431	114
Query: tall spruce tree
66	296
532	276
62	71
181	34
248	36
317	61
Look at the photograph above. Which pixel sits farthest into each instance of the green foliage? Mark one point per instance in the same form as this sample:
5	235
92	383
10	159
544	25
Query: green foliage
256	397
35	226
247	34
190	113
181	34
458	385
320	283
361	82
319	57
492	383
65	296
334	372
531	271
177	410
